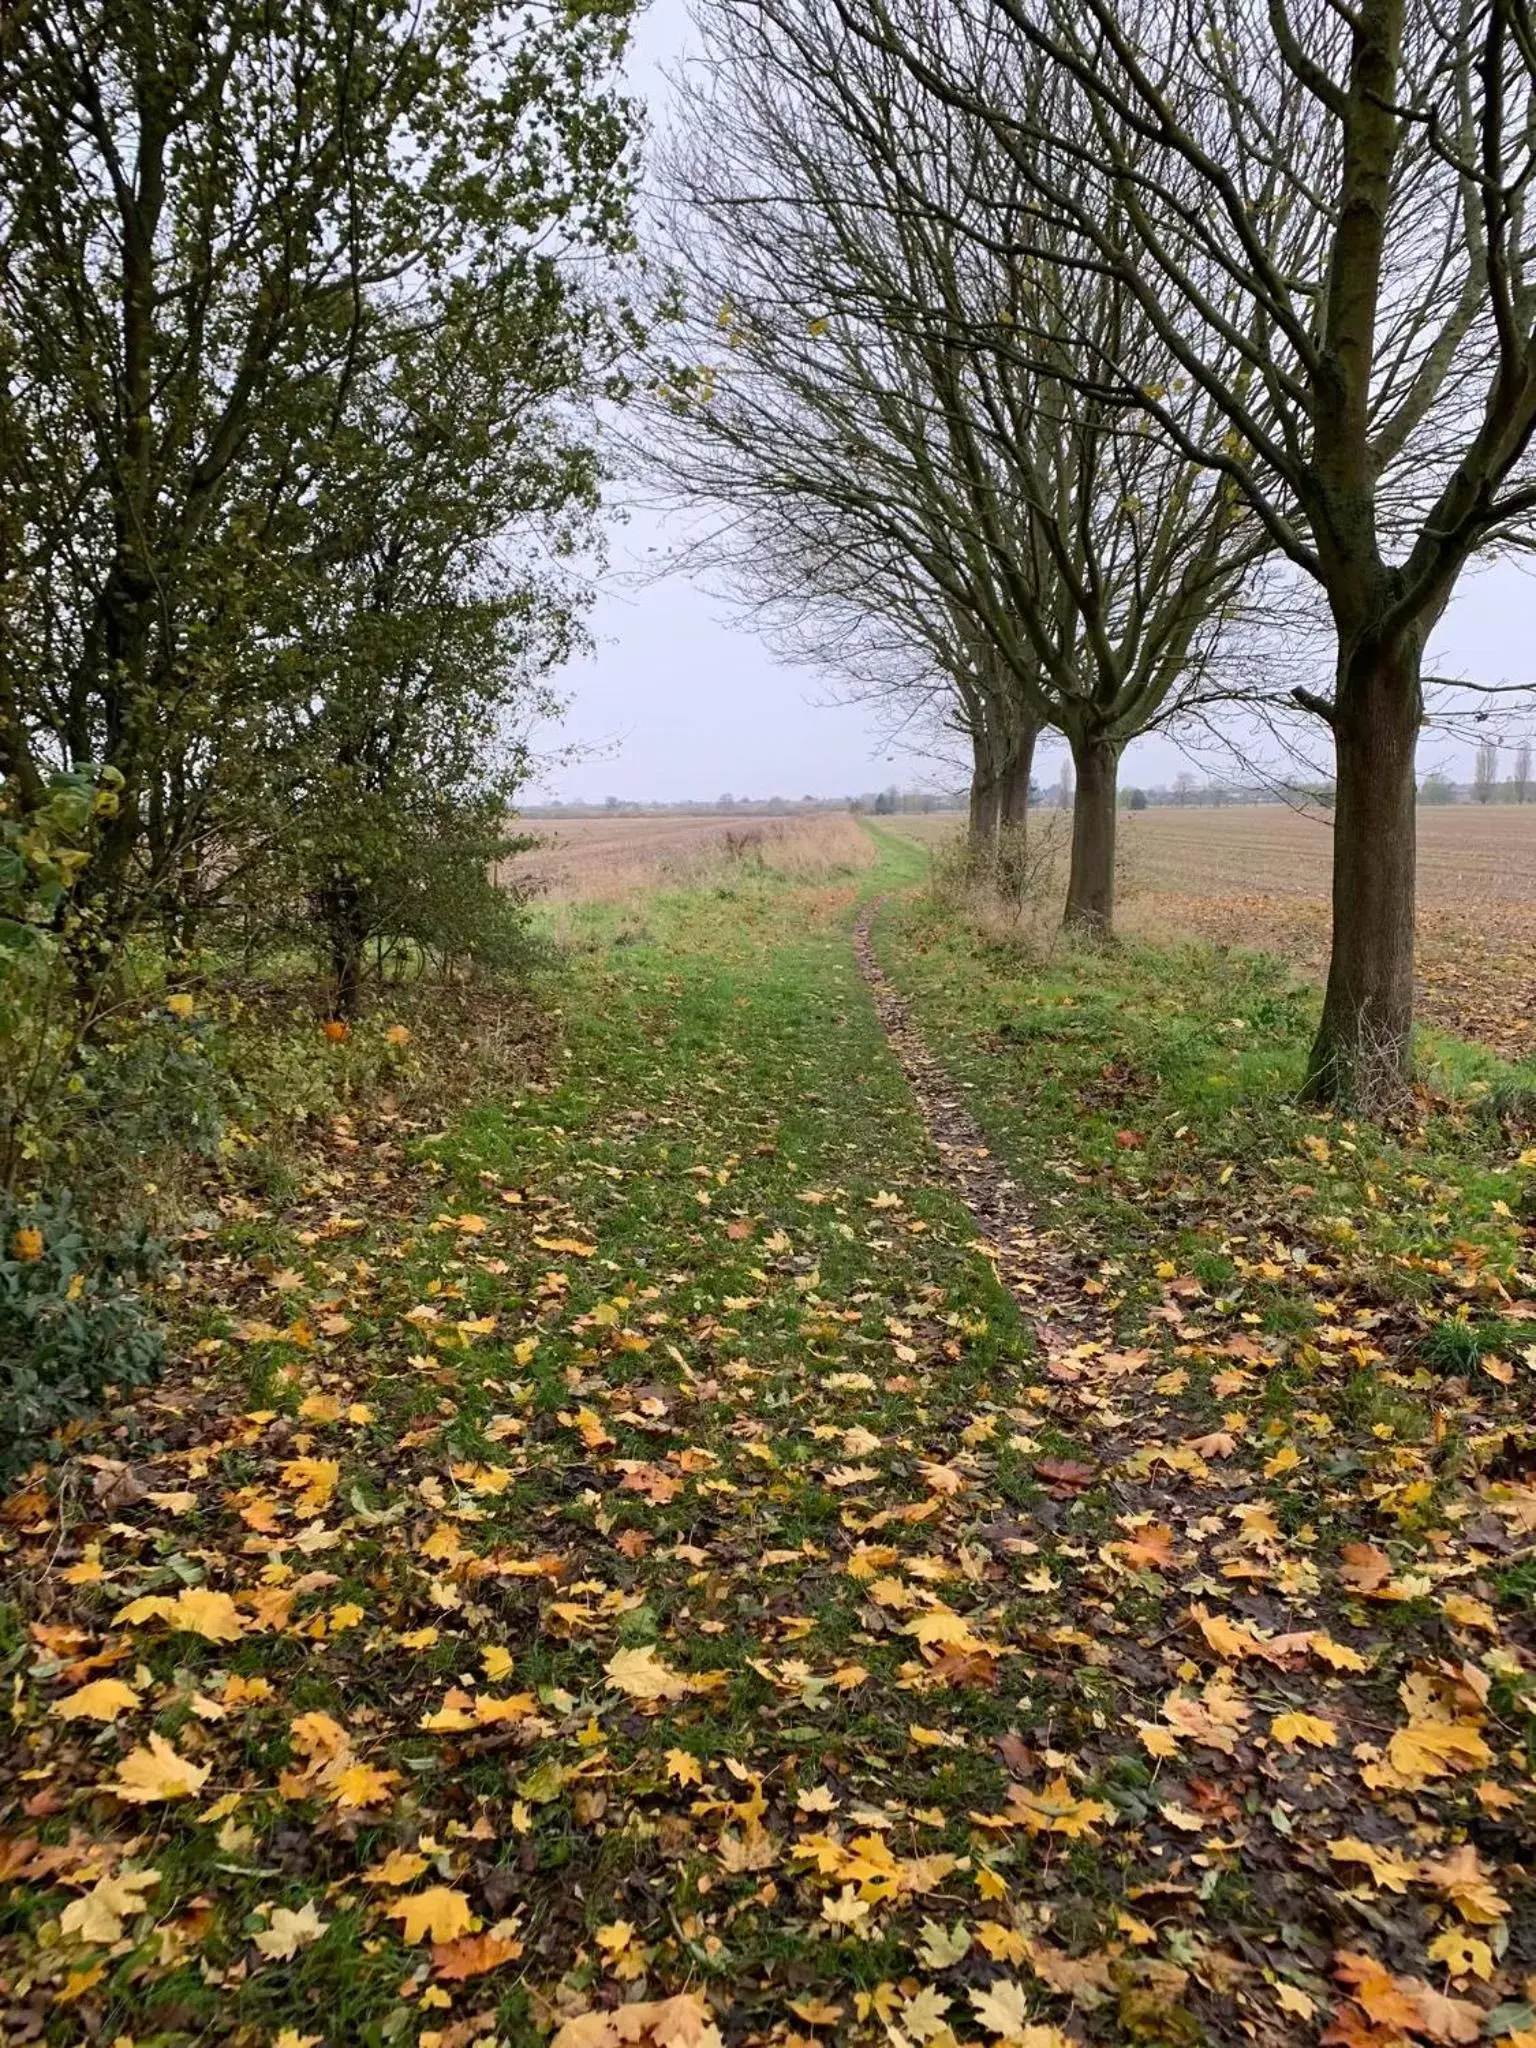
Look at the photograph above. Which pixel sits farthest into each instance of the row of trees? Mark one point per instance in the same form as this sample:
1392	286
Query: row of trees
1079	362
305	310
1485	773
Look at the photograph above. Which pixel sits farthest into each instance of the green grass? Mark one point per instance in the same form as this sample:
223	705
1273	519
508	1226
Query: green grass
1169	1079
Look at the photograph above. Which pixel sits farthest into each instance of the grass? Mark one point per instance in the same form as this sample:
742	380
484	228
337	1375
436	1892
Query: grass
725	1592
1168	1077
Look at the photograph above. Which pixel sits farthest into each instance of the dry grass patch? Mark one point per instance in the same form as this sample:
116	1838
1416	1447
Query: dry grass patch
613	858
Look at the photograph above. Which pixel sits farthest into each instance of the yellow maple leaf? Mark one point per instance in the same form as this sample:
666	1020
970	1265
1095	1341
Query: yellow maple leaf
103	1700
202	1612
1339	1655
155	1772
1161	1742
680	2022
443	1545
1002	1944
287	1931
1290	1729
1462	1954
316	1734
90	1571
1390	1869
1002	2008
1461	1877
491	1709
400	1866
1466	1612
361	1785
314	1480
641	1674
1058	1811
941	1628
148	1607
1437	1749
437	1914
100	1914
683	1768
196	1609
1231	1640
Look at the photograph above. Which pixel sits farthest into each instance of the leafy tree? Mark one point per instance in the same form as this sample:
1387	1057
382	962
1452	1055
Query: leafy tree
435	602
217	216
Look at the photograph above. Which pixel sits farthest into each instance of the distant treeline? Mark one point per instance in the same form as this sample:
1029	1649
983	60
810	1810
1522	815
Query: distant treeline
1183	793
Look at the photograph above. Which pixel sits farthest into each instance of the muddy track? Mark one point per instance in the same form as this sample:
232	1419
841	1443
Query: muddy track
1031	1263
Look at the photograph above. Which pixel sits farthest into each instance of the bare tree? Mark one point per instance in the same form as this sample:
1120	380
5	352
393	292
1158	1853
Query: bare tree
1522	774
1485	772
869	366
1322	213
829	586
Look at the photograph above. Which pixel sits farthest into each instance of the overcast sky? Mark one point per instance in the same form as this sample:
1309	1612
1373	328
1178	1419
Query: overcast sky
678	703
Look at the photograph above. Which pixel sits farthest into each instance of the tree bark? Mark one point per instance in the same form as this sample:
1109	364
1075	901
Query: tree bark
986	793
1362	1055
1090	907
343	915
1013	786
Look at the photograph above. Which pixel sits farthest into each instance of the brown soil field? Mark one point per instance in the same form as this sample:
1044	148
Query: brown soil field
607	859
1258	876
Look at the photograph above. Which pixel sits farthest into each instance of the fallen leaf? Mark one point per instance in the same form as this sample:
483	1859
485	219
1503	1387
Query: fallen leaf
102	1700
287	1931
438	1914
100	1914
473	1955
641	1674
155	1772
1289	1729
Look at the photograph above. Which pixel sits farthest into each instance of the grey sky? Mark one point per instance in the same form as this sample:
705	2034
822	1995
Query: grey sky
679	703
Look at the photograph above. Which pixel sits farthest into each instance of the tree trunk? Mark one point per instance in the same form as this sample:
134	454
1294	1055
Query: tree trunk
1090	907
342	913
981	828
1362	1055
1013	785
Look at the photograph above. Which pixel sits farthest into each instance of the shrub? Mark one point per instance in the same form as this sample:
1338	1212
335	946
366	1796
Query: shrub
43	850
71	1324
1008	888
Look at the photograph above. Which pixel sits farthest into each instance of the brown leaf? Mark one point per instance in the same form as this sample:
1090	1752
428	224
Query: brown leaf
473	1955
1064	1476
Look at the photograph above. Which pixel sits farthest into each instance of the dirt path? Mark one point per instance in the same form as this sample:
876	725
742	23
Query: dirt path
1031	1265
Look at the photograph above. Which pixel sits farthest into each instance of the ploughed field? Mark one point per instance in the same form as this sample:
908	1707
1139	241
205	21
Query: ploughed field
1257	877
